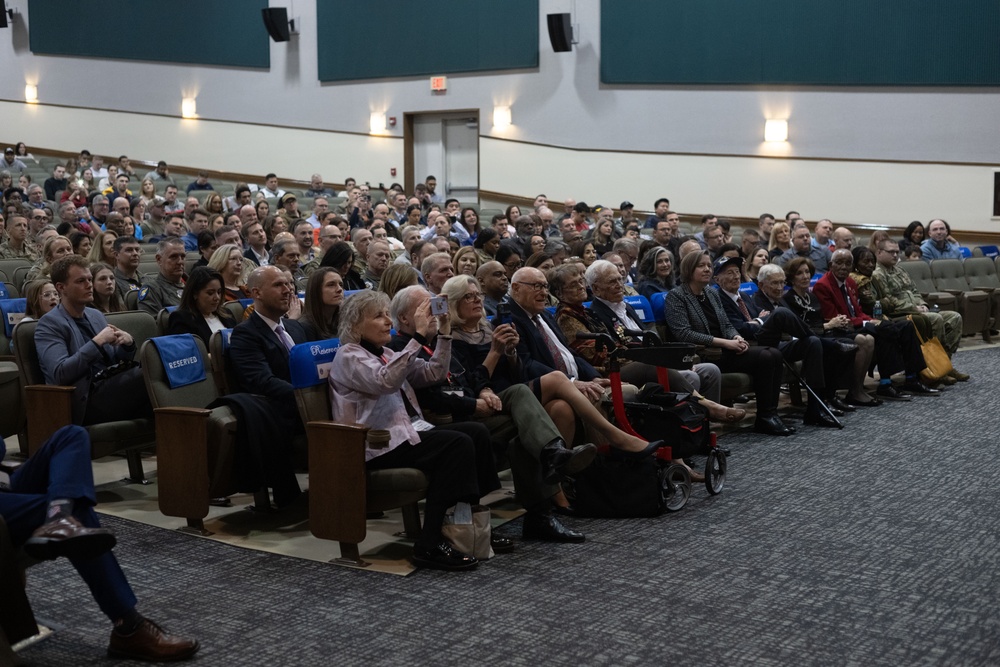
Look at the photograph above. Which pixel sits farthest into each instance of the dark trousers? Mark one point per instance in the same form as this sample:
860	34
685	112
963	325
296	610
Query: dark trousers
897	348
123	396
61	469
486	465
525	420
838	364
448	459
764	365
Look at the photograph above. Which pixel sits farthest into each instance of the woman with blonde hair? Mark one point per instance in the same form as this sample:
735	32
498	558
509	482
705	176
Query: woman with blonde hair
396	277
466	261
781	240
227	260
147	191
103	249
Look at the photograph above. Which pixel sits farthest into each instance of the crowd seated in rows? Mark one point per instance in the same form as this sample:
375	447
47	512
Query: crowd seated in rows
498	376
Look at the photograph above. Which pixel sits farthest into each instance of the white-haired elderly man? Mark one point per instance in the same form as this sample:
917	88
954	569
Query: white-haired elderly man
625	325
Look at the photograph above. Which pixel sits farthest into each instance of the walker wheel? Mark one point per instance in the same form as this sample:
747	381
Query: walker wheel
715	472
676	487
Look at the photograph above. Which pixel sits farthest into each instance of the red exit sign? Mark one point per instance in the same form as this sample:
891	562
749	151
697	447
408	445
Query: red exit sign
439	83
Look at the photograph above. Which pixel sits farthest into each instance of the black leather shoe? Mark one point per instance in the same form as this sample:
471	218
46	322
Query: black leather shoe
919	388
890	393
540	526
66	536
839	404
871	403
559	462
820	419
501	545
788	427
836	412
771	426
442	557
847	348
650	449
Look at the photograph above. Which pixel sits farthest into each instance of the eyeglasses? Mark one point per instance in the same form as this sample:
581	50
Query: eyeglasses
512	265
472	297
538	287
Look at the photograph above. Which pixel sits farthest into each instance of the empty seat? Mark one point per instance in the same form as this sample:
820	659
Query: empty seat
642	308
981	274
195	444
974	305
990	251
920	274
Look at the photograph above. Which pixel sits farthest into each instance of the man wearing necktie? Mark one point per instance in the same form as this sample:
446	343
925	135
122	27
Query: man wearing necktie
258	354
896	345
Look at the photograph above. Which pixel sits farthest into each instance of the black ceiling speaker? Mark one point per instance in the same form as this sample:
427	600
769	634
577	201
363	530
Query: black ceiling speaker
276	22
560	32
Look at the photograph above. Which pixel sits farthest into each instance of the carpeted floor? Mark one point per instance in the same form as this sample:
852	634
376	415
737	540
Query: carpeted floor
875	545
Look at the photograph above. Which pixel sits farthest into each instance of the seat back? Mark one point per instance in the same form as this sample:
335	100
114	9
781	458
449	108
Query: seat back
642	307
132	299
12	311
162	318
657	304
981	272
236	309
948	274
218	346
20	276
920	274
990	251
141	326
309	366
11	291
161	394
747	290
9	267
966	252
25	354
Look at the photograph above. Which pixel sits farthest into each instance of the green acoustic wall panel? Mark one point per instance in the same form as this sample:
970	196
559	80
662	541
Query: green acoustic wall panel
807	42
404	38
204	32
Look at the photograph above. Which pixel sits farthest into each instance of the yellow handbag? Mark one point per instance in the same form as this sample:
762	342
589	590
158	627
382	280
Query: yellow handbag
937	360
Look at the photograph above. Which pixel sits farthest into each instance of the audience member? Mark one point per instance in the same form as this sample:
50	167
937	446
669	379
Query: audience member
108	387
201	312
167	287
656	272
106	297
324	297
436	269
939	245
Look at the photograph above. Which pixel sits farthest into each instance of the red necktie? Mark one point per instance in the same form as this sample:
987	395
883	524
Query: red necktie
743	308
551	344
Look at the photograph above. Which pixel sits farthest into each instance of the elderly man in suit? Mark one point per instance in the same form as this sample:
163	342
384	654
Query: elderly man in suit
620	318
76	346
47	504
258	351
767	322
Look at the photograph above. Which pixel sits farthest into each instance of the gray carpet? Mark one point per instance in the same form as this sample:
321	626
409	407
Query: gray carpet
875	545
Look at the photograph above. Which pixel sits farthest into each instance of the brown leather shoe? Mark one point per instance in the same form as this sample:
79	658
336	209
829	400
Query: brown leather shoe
959	375
68	537
149	642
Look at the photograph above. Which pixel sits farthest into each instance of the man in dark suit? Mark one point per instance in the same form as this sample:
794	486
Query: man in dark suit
258	354
76	345
542	347
47	504
766	324
896	345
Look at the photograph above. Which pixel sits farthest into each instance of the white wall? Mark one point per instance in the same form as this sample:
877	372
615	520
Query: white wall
562	104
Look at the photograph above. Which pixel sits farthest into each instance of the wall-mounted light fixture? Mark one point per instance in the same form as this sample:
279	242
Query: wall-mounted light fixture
189	108
501	117
775	130
31	93
377	122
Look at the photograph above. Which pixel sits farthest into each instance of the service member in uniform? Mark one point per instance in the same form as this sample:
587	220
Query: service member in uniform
168	285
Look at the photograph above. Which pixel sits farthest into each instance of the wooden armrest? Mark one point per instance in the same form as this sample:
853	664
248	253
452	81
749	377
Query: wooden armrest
337	481
49	407
182	461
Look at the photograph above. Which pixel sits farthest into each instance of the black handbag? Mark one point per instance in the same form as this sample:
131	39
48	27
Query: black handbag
613	488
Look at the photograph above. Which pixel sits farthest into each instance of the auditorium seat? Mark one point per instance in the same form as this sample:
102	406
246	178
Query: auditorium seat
974	305
195	445
920	274
49	407
341	490
981	274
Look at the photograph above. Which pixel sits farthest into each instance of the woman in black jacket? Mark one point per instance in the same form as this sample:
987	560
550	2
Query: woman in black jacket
201	311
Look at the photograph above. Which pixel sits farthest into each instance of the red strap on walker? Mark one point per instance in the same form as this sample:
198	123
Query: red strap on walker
618	401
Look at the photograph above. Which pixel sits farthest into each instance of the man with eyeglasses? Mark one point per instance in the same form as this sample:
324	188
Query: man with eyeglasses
899	298
437	269
38	220
329	234
542	342
493	281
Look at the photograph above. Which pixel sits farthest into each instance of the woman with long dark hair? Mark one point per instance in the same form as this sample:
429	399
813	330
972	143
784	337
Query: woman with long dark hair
324	296
201	310
340	257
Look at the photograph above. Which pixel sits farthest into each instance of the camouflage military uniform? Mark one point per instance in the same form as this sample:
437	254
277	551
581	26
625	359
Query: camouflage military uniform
899	297
158	293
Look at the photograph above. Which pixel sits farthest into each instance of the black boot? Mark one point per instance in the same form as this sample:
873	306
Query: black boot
539	524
